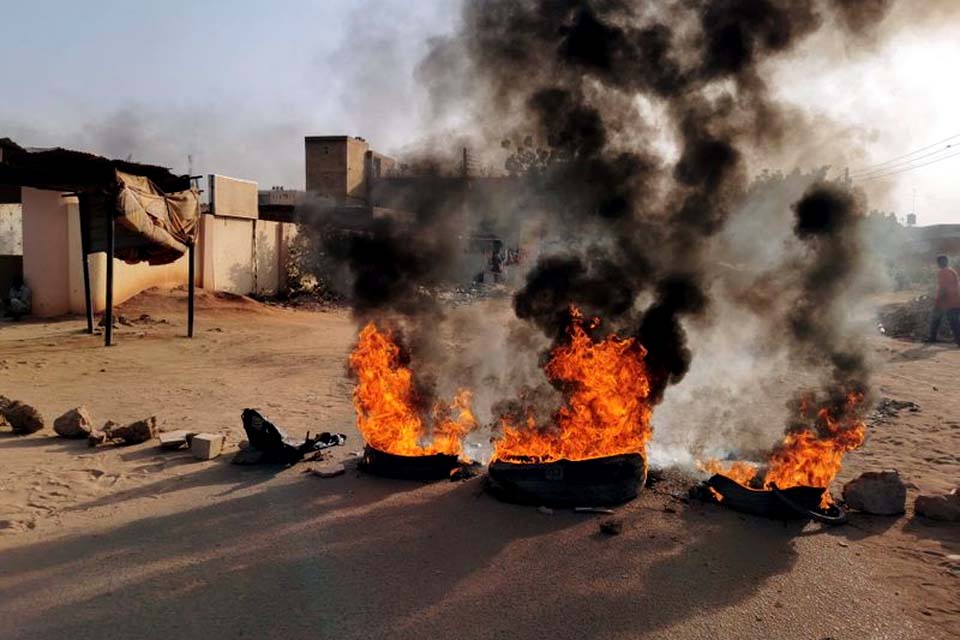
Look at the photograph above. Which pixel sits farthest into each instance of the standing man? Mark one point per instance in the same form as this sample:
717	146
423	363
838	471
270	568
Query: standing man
948	301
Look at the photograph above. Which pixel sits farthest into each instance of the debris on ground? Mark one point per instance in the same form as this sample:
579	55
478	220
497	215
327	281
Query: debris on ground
21	417
206	446
888	409
275	446
939	507
600	510
330	471
611	526
173	440
880	493
909	319
547	511
133	433
465	471
75	424
316	298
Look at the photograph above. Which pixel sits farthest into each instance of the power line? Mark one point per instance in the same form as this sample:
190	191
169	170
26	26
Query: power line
905	170
873	167
903	163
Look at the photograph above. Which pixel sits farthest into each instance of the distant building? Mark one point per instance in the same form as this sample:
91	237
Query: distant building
342	167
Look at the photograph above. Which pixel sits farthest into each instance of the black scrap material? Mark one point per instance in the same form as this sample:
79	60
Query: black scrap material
424	468
795	503
276	446
599	482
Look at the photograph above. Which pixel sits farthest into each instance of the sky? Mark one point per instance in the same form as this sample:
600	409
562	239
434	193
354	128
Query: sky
236	86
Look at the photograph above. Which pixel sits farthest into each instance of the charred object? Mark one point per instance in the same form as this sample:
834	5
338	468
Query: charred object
270	445
597	482
426	468
795	503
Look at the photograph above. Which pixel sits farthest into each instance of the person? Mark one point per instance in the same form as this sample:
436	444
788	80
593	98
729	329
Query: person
20	296
947	302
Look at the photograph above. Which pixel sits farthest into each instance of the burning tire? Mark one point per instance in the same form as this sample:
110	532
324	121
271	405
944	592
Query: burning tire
598	482
795	503
424	468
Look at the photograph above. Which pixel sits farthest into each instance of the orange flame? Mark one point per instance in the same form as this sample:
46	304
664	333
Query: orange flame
810	457
385	401
605	411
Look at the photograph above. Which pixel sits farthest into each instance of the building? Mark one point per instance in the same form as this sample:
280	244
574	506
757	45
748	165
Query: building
342	167
42	237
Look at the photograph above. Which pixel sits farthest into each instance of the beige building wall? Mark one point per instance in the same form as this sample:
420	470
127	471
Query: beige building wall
232	197
239	255
267	257
52	265
232	255
46	250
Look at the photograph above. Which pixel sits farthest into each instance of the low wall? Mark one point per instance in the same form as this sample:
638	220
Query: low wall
244	256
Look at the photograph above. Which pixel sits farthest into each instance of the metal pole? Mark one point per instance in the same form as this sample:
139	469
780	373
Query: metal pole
84	255
108	313
190	287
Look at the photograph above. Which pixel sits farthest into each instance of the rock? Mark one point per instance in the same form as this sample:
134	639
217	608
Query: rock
133	433
881	493
329	472
206	446
611	526
21	417
175	439
96	437
75	423
945	507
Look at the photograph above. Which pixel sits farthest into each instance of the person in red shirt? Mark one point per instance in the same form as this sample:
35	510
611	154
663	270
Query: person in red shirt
948	301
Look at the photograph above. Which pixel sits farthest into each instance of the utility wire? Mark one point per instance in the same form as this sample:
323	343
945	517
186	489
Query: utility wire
905	170
905	163
873	167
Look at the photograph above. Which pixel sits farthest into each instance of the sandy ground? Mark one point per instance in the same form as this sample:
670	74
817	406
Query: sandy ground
134	542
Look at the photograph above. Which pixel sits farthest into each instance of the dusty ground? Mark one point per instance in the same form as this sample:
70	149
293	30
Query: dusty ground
133	542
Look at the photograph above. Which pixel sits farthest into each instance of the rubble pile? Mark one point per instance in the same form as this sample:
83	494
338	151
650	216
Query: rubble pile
133	433
909	319
318	298
888	409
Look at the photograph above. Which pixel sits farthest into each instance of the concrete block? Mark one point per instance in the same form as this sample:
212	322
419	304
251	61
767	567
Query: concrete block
174	439
206	446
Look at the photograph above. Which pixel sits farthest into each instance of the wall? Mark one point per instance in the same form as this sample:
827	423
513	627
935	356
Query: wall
46	250
232	197
240	255
53	269
238	252
232	254
326	165
356	168
11	230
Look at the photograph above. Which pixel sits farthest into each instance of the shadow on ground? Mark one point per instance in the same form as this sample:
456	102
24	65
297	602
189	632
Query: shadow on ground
361	557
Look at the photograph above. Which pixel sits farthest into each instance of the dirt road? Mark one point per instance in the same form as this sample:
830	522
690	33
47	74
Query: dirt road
134	542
